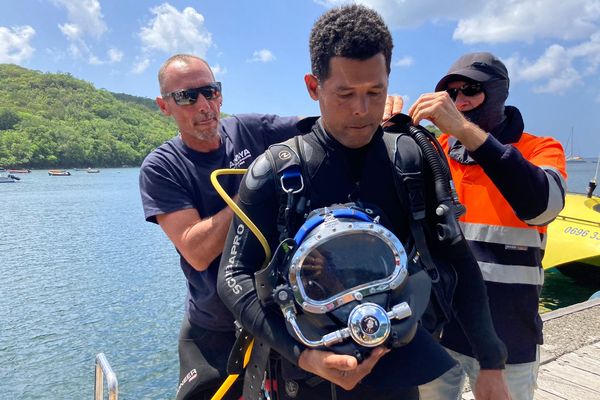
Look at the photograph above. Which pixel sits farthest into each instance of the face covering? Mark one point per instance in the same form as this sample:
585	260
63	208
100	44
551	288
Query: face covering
490	113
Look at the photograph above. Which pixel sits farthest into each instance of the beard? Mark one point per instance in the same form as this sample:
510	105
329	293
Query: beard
205	126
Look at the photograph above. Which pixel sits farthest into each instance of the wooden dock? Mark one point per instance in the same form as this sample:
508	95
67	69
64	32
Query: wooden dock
570	355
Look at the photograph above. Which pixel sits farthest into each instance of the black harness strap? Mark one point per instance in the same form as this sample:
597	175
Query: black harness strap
407	163
235	363
286	163
288	168
255	370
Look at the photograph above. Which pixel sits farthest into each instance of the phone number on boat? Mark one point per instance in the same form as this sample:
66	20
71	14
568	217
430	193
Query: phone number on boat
571	230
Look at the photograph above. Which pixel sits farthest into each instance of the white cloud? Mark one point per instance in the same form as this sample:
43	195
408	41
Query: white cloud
95	60
85	20
140	66
218	71
71	31
405	61
14	44
559	68
263	56
86	15
114	55
528	20
171	31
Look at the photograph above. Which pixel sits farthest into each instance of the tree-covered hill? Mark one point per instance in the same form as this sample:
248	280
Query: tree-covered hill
55	120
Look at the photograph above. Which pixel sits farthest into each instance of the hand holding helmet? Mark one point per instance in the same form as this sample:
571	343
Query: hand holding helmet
345	286
343	370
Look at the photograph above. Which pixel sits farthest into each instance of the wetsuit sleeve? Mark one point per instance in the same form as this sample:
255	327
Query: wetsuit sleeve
472	308
534	187
243	255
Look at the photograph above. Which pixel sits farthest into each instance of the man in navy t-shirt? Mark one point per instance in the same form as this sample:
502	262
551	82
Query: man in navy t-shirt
177	194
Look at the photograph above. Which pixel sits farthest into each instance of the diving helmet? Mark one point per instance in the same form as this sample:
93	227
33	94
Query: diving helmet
346	286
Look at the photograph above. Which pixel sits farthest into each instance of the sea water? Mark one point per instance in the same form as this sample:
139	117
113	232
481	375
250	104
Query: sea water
81	272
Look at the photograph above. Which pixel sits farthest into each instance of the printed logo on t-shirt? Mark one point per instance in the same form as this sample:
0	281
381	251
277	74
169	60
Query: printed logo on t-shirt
240	158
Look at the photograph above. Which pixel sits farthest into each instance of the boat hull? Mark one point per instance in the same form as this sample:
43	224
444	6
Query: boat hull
574	236
58	172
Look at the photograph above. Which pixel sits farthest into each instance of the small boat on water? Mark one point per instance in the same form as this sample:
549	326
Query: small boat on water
571	157
574	159
58	172
573	245
92	171
8	178
19	171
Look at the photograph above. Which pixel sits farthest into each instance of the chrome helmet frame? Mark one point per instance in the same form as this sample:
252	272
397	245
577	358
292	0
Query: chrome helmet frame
324	227
369	324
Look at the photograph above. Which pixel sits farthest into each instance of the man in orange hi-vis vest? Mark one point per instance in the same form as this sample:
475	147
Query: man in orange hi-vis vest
512	184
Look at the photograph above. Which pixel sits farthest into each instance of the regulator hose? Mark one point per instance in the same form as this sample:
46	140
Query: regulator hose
226	385
448	208
237	210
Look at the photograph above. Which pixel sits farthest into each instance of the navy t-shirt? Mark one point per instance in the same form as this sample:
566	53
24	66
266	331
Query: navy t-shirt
174	177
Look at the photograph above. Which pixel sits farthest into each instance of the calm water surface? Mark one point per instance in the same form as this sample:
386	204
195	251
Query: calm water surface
81	272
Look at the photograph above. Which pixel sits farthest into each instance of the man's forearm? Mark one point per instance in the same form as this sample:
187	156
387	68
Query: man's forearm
205	240
470	135
198	240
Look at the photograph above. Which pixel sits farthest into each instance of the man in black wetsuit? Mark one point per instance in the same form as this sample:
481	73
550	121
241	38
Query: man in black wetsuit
345	159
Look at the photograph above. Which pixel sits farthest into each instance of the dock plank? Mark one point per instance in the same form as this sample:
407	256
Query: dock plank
573	376
570	356
563	388
541	394
586	360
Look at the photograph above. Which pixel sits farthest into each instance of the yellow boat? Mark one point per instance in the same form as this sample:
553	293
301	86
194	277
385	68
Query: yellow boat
573	244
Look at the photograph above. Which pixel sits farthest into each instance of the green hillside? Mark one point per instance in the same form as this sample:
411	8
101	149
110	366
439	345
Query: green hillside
55	120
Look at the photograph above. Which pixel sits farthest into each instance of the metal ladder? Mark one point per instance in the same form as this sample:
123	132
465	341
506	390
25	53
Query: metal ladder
103	369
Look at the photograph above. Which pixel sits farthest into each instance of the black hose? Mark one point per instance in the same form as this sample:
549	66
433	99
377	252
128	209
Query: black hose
448	208
440	176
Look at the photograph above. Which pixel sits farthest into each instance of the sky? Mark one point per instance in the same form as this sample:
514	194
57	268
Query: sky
258	49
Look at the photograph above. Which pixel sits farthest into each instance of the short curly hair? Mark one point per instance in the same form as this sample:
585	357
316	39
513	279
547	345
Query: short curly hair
353	31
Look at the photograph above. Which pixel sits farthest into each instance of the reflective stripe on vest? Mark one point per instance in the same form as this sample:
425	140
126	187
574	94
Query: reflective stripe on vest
491	221
511	273
556	197
503	235
507	236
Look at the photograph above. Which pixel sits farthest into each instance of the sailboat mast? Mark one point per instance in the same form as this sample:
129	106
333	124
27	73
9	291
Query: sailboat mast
571	149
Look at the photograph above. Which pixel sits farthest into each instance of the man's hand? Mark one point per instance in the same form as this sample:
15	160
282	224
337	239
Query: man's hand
491	385
344	371
439	108
393	106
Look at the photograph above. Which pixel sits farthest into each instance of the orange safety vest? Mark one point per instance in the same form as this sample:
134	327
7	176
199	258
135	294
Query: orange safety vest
490	218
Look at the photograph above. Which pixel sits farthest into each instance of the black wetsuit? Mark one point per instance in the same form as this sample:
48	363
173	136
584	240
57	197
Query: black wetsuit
337	174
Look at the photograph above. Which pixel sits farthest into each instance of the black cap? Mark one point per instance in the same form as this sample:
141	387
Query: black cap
479	67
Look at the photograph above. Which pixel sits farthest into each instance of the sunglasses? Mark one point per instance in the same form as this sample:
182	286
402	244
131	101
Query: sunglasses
468	89
190	96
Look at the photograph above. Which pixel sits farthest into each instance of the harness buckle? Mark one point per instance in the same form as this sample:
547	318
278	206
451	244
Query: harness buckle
287	181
